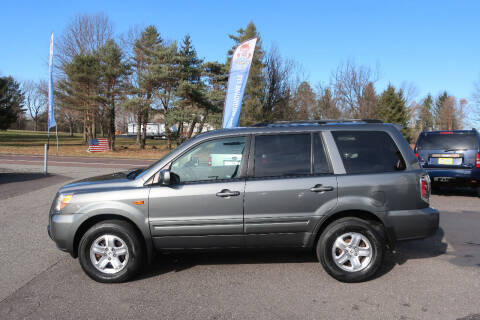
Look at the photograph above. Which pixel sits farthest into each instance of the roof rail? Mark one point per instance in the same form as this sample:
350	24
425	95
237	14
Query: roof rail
306	122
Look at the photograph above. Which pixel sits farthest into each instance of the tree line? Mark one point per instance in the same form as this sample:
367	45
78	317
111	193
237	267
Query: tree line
103	82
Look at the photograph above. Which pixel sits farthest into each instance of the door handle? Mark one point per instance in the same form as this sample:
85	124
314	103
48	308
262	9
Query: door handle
320	188
227	193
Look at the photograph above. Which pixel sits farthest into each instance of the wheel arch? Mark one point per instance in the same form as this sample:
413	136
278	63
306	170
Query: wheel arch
91	221
361	214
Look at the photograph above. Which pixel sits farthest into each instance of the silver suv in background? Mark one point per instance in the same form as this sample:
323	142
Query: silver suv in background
347	189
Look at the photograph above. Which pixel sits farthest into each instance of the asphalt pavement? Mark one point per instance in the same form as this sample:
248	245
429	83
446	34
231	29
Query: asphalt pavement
434	278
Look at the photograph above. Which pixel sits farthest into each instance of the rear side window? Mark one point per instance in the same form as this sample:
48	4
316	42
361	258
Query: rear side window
320	162
447	141
282	155
368	151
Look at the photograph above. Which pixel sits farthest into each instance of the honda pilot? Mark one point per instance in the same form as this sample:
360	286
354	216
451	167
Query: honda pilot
349	190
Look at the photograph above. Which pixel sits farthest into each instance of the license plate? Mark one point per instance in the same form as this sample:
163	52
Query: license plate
445	160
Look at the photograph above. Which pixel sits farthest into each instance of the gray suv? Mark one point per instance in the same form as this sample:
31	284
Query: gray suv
347	189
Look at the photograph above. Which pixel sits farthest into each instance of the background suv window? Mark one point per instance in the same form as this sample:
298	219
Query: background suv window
212	160
282	155
367	151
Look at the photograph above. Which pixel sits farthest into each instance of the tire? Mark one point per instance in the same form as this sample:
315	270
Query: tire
121	258
367	238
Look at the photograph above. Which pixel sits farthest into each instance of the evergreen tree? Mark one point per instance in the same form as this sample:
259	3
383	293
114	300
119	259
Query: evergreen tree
392	109
215	79
446	117
253	97
192	97
326	106
11	102
113	75
304	102
79	90
367	103
144	80
425	121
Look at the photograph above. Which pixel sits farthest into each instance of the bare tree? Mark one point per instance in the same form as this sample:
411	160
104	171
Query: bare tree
277	86
85	33
410	92
35	101
348	83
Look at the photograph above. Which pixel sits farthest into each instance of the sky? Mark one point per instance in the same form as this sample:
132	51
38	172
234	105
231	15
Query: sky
432	45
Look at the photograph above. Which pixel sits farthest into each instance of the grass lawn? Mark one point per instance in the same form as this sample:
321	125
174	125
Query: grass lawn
31	142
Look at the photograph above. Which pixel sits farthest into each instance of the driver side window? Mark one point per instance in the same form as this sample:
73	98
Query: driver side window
211	160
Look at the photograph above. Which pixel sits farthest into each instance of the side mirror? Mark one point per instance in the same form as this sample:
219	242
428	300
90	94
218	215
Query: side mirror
165	177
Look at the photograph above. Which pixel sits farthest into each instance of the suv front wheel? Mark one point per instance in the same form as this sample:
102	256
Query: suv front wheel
110	251
350	249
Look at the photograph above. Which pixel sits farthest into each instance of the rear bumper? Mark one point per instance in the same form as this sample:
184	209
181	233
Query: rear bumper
412	224
454	175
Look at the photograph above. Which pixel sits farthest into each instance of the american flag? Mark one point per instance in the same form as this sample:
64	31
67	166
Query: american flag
98	145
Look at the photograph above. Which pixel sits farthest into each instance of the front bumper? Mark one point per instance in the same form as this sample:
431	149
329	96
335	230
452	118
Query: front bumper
412	224
60	230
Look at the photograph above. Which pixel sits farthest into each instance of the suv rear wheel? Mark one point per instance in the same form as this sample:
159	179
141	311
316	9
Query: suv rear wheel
351	249
110	251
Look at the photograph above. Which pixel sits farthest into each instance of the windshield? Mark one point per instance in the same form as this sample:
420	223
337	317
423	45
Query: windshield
454	141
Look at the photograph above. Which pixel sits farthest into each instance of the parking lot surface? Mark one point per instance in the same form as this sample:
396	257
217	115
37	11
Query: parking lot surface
434	278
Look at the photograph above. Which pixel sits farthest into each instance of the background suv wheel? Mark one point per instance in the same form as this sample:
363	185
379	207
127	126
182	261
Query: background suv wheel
350	249
110	251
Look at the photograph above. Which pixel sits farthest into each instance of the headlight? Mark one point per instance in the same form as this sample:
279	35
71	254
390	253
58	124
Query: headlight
63	200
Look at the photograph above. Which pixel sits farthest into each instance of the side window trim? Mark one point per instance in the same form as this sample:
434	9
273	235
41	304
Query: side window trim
320	135
333	153
312	156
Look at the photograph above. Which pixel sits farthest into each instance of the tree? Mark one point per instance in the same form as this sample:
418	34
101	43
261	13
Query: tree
79	90
35	101
253	96
277	87
425	121
392	109
367	103
215	79
326	105
113	75
144	79
192	100
85	34
304	101
440	116
83	37
11	102
349	82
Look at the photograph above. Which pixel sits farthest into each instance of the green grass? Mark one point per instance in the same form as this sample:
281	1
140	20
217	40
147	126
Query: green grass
31	142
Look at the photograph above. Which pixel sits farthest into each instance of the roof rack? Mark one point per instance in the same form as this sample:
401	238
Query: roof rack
307	122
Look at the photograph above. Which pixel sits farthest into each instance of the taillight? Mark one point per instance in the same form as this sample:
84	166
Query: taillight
425	187
209	161
477	160
416	154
